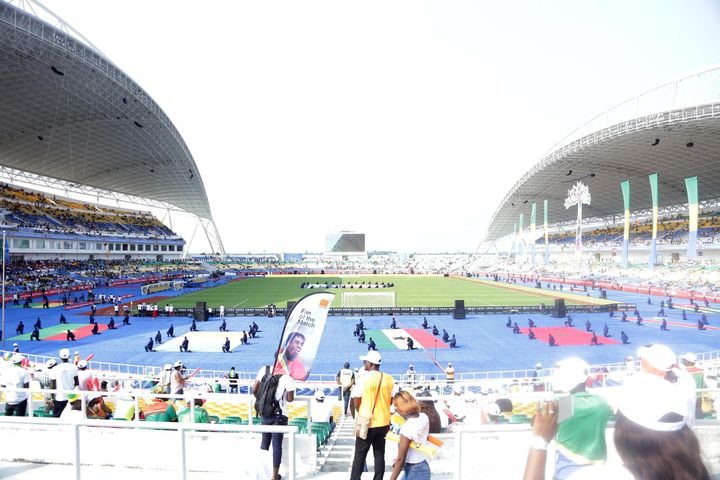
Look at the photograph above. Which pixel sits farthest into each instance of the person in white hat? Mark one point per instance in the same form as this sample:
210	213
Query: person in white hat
652	431
63	377
14	376
659	361
581	436
450	373
177	380
321	412
85	376
373	403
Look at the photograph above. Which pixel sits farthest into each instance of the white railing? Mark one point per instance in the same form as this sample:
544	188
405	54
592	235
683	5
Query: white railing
451	459
180	428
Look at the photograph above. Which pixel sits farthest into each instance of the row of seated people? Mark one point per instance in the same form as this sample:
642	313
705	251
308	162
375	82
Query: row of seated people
673	230
52	218
39	275
39	198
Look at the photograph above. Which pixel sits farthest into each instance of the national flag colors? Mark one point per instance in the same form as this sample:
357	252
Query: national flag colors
389	339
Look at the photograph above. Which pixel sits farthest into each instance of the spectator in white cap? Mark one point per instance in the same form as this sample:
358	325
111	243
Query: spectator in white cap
373	403
63	377
16	348
321	412
652	433
656	359
581	436
450	373
85	376
659	361
177	380
14	376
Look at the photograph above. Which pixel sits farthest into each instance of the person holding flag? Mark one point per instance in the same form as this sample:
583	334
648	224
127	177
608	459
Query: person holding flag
304	325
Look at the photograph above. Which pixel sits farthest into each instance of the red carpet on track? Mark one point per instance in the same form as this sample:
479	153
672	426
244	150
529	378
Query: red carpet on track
567	336
82	332
426	338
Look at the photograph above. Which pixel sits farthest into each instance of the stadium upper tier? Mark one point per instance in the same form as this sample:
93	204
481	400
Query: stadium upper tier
72	119
673	130
36	211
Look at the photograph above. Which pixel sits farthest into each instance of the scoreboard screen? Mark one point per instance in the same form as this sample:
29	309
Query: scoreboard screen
345	243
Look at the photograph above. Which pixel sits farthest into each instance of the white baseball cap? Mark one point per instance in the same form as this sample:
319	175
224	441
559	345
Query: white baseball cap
82	364
64	353
569	373
646	399
319	395
658	356
177	364
689	357
373	356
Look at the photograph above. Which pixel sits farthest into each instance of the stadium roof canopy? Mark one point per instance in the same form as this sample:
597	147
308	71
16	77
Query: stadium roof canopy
672	130
71	119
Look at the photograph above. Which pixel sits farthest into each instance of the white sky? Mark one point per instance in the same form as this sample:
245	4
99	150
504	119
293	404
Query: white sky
406	120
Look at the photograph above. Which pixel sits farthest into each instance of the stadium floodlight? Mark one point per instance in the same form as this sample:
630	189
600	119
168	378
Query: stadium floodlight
578	195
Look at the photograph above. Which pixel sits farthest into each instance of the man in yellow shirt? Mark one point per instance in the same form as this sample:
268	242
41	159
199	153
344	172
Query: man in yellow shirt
374	402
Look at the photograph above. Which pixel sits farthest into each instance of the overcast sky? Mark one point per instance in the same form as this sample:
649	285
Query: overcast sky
408	121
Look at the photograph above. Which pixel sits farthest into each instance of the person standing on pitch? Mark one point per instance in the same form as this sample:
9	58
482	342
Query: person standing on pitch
373	403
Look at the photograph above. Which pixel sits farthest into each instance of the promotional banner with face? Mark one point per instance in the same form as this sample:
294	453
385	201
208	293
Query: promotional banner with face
301	336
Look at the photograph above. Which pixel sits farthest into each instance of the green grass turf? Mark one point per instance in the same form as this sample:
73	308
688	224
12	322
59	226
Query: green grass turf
411	291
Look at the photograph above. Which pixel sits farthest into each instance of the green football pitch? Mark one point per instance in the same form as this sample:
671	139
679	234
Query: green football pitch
410	290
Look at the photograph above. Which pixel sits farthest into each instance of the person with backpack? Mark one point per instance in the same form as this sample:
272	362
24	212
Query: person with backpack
272	393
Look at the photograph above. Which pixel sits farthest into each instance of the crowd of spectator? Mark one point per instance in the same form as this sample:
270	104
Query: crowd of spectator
44	275
671	230
36	211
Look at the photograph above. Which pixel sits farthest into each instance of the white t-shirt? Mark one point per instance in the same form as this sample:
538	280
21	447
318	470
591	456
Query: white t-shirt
285	385
83	377
357	388
16	377
64	375
321	411
176	381
416	429
346	377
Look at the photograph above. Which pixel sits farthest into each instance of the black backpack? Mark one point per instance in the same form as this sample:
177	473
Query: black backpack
265	402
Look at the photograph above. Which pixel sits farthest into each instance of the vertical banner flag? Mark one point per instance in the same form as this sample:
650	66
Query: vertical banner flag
304	325
625	187
533	213
546	256
521	226
653	242
6	249
691	184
